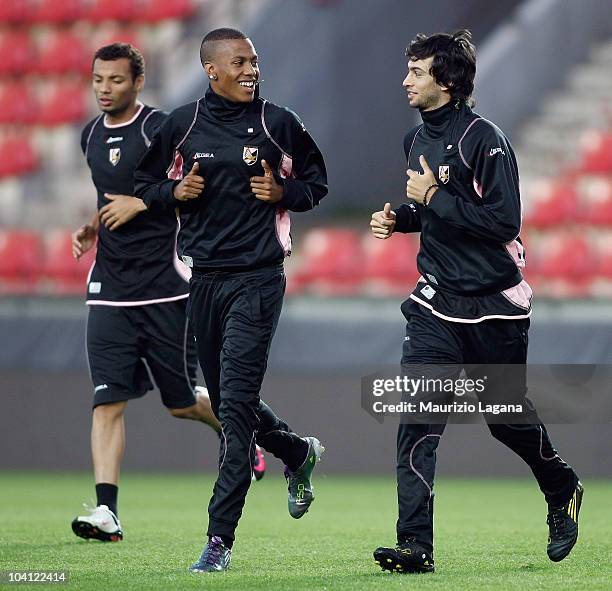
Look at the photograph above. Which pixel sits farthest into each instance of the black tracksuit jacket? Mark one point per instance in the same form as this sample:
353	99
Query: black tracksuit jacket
227	227
470	253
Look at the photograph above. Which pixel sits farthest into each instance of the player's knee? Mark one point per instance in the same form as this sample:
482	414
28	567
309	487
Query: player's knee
110	411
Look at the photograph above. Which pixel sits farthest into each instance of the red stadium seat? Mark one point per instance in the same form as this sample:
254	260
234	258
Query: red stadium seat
595	197
20	261
15	11
64	52
567	255
390	265
113	10
17	156
18	103
65	102
17	52
604	247
294	286
63	273
552	203
563	263
331	262
119	35
159	10
596	153
56	11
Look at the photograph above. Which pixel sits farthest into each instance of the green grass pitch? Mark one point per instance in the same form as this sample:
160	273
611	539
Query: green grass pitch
490	534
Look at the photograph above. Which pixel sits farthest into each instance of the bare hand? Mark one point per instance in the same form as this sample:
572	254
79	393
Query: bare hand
265	187
418	183
83	240
191	186
383	222
120	210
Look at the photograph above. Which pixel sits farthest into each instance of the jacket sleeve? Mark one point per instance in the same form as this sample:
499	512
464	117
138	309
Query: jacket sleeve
498	215
307	184
152	124
408	215
151	182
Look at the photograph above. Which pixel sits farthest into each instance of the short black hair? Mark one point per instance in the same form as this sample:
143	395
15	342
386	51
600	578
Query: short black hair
225	34
454	60
117	51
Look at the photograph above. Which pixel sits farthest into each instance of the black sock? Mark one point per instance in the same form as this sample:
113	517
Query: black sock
107	495
298	455
227	541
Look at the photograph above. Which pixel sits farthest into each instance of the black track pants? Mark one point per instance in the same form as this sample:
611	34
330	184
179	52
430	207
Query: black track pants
433	345
234	316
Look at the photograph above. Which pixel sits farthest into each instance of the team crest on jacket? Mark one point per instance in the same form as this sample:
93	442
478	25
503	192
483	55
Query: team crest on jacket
114	155
444	173
249	154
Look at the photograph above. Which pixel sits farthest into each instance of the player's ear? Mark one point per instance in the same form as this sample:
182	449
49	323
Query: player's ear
210	70
139	83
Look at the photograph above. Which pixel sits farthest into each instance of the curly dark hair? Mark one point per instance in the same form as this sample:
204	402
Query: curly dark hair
117	51
454	60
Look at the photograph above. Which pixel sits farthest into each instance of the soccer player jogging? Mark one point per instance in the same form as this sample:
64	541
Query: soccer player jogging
136	291
471	305
235	165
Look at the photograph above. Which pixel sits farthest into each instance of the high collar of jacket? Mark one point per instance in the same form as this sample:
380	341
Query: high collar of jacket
224	109
437	122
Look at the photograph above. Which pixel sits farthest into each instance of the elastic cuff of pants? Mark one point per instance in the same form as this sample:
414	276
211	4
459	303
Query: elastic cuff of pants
426	544
560	499
299	456
221	528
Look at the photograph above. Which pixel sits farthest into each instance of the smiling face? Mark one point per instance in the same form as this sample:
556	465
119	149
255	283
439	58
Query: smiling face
424	93
115	89
235	66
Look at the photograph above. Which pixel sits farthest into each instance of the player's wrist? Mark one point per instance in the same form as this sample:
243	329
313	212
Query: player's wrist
429	193
177	191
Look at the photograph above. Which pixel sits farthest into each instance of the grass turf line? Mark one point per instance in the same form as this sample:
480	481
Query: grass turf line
490	534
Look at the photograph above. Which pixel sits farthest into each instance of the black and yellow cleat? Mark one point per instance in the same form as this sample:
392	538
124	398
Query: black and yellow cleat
563	526
408	557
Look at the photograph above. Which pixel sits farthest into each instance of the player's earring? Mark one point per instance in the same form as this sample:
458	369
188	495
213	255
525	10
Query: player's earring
212	77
